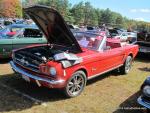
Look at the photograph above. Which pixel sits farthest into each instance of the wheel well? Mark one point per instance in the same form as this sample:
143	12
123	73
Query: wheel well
131	55
84	70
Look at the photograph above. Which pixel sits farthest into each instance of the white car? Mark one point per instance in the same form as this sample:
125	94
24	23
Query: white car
123	35
132	36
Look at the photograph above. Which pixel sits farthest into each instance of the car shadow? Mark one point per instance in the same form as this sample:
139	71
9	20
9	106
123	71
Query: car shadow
104	76
141	57
15	82
42	94
144	69
130	105
10	101
4	61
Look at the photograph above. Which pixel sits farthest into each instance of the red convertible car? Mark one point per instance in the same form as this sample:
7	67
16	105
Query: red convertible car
68	61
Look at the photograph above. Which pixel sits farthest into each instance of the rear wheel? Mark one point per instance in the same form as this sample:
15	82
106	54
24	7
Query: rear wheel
75	84
127	65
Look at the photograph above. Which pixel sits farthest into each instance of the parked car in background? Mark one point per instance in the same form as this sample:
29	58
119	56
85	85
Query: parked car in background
123	35
19	21
132	37
144	98
96	31
18	36
1	27
8	22
11	28
1	21
80	34
143	40
67	62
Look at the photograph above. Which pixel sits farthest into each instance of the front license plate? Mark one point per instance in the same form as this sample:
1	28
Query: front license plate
26	78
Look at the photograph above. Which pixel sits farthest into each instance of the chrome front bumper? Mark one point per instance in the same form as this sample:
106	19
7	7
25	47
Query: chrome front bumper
143	103
22	72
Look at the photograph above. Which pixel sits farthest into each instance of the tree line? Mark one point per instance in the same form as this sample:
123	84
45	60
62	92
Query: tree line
82	13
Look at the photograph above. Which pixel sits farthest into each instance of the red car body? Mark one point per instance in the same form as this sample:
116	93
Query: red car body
91	64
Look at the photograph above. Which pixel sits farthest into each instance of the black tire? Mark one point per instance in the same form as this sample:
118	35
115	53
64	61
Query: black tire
75	84
127	65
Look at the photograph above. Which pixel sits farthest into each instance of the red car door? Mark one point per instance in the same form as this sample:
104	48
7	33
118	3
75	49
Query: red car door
113	57
107	60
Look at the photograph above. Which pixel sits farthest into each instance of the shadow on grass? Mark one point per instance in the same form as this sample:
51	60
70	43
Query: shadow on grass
145	69
130	105
96	79
40	93
15	82
5	61
141	57
9	101
103	76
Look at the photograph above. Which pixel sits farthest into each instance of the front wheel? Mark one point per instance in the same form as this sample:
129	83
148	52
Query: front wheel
75	84
127	65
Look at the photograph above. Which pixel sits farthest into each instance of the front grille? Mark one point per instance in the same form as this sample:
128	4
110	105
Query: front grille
27	61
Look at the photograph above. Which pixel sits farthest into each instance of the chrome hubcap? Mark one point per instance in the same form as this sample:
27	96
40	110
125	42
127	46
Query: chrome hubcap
128	64
75	85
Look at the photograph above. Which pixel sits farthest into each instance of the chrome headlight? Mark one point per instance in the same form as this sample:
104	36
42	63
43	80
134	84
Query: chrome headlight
146	90
52	71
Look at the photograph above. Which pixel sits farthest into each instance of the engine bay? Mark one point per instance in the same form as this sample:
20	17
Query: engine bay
40	53
34	56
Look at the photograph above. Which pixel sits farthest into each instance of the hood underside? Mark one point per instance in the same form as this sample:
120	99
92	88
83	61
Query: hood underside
53	26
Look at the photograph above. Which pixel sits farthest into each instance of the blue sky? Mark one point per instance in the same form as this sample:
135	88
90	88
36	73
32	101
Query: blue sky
133	9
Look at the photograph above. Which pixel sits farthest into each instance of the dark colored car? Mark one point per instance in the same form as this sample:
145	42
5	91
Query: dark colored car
144	99
143	40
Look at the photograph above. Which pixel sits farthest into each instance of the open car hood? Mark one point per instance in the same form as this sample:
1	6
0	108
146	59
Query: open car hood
53	26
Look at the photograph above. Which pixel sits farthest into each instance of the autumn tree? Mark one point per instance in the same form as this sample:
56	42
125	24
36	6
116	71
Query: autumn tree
11	8
85	13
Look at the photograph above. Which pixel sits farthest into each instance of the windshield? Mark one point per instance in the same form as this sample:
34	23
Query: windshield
88	40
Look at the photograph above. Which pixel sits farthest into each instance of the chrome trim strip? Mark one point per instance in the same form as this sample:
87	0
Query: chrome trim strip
141	102
93	76
17	69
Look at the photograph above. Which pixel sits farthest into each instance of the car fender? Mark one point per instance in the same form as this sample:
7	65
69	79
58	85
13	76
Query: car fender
69	71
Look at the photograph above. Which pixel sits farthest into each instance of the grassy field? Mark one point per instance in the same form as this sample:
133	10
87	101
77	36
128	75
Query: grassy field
108	93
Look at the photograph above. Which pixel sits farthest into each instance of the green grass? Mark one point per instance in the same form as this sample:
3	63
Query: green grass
105	94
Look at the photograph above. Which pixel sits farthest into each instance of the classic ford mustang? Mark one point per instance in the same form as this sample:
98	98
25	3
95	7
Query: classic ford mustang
68	61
